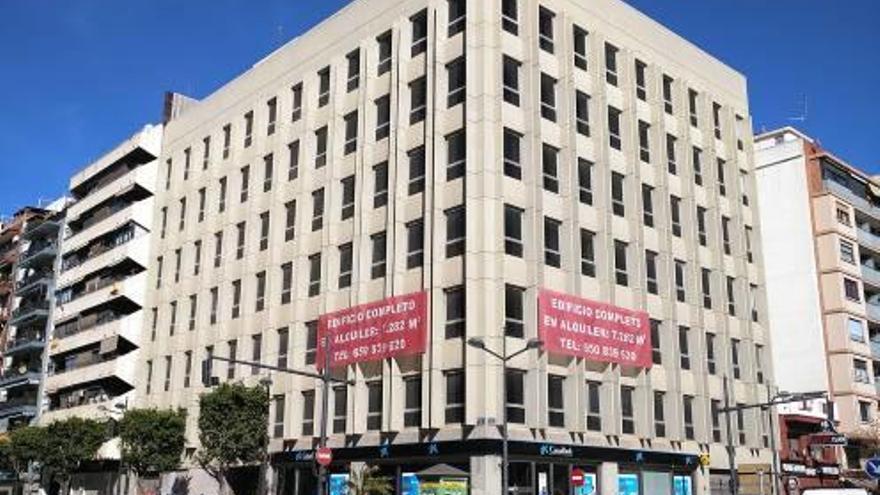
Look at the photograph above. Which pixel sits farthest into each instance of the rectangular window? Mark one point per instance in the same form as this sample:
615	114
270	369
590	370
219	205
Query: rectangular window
419	24
847	253
221	196
383	117
321	147
582	113
278	420
667	94
510	80
585	181
227	138
675	215
418	101
856	330
552	253
415	244
311	342
734	358
514	311
864	411
656	344
456	78
588	253
594	406
731	296
245	183
215	302
644	141
248	128
456	153
641	88
545	29
620	274
515	402
716	420
268	171
659	414
159	266
548	97
354	70
178	255
323	86
651	272
510	17
296	96
684	348
739	132
580	47
203	199
680	281
314	275
512	154
627	410
260	302
611	64
688	414
264	231
455	231
671	163
167	385
378	263
283	344
384	46
374	405
710	353
412	410
172	321
550	163
340	408
706	284
614	128
347	210
289	220
286	282
380	185
725	234
513	232
416	170
722	184
698	166
692	107
232	346
716	119
181	225
272	111
164	222
753	301
456	14
455	396
346	262
647	205
617	194
701	226
744	187
236	299
308	414
317	209
851	289
455	312
750	257
293	160
351	132
759	363
241	230
206	152
556	401
193	311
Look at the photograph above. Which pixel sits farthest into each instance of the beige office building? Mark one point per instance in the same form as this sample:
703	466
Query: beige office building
480	151
821	241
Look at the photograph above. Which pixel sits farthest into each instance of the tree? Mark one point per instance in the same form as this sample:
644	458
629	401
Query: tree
152	440
233	429
366	481
69	443
25	445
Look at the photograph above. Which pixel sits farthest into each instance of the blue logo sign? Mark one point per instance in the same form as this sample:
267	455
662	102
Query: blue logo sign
872	468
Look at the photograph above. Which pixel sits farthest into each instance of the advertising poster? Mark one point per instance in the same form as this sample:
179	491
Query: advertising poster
409	484
445	486
628	484
589	487
592	330
542	484
394	326
682	485
338	484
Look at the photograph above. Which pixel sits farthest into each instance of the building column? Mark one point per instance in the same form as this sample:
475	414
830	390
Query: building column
485	475
607	478
700	480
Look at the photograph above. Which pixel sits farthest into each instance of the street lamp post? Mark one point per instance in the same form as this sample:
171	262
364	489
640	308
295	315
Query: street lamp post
504	358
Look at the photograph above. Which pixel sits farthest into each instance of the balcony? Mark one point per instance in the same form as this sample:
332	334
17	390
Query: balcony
34	281
30	312
43	252
868	239
871	276
47	228
856	201
19	406
873	311
24	344
20	377
91	370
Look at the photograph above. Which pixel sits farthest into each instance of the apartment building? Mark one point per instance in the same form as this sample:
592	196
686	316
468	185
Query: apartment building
32	252
821	241
476	166
92	359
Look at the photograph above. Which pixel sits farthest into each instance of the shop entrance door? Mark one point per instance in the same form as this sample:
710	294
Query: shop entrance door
552	479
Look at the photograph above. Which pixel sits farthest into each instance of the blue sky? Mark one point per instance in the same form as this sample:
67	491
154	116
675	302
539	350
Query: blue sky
79	76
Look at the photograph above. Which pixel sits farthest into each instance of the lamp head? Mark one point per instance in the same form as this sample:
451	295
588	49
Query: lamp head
475	342
535	344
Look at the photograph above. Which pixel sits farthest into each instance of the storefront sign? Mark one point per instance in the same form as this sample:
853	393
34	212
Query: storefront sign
589	486
828	439
445	486
338	484
395	326
593	330
628	484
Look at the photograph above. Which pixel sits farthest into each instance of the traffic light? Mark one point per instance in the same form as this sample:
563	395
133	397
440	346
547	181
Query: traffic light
207	368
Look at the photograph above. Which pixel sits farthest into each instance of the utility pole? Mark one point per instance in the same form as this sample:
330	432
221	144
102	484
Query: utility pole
325	404
731	449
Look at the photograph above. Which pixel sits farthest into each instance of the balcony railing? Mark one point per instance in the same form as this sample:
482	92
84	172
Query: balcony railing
32	280
123	237
858	202
46	227
24	406
867	238
83	361
31	309
21	343
43	250
14	376
94	287
871	275
85	323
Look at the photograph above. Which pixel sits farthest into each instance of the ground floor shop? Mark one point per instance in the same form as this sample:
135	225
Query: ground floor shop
474	468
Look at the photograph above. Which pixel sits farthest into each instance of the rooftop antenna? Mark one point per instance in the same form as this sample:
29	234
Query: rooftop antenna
802	117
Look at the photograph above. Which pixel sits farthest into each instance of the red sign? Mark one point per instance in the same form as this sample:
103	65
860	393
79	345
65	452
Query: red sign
593	330
324	456
395	326
577	477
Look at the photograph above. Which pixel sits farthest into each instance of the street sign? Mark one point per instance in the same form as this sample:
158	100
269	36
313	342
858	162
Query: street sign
828	439
872	468
705	460
324	456
577	477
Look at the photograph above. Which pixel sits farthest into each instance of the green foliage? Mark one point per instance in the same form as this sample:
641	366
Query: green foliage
71	442
152	441
233	427
367	481
25	445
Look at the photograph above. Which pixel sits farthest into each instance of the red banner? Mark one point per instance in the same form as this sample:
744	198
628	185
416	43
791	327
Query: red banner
593	330
395	326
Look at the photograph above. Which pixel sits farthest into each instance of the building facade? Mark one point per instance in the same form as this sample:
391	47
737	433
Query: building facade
480	153
821	220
